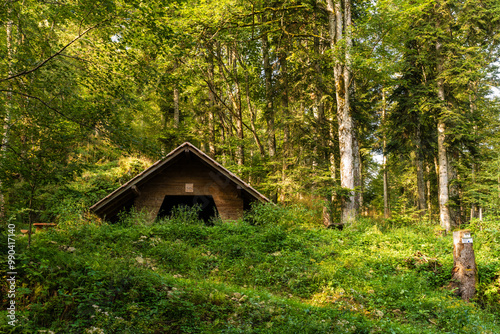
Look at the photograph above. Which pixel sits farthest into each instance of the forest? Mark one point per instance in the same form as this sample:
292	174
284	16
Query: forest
373	125
371	108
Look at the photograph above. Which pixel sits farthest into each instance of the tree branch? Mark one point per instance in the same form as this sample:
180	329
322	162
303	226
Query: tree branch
51	57
48	106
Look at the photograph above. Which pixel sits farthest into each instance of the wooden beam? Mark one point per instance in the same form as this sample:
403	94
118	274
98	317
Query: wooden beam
135	190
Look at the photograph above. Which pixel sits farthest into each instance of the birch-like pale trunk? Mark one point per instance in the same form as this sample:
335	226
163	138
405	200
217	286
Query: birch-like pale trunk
444	213
342	82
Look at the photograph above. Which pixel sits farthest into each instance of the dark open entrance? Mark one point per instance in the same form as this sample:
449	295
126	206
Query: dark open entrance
206	203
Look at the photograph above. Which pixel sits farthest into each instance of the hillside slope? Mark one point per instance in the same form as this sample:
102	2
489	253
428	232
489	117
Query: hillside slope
274	272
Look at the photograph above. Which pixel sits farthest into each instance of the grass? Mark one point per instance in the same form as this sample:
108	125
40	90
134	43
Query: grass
274	272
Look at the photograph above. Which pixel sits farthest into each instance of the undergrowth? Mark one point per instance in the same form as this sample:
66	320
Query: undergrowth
272	272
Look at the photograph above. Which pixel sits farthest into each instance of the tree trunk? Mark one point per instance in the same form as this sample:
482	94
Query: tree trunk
268	110
286	150
233	91
454	197
320	109
358	177
420	174
322	141
342	81
387	212
464	272
239	110
176	107
344	119
422	205
285	104
444	213
253	118
429	203
333	166
212	105
8	108
472	106
461	213
30	213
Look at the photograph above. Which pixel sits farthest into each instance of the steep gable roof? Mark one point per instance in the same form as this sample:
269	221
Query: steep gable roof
128	189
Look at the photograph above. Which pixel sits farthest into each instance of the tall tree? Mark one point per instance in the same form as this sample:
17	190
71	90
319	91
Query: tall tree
340	25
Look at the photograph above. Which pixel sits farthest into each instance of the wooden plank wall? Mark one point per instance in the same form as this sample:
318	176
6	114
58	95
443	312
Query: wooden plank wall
188	169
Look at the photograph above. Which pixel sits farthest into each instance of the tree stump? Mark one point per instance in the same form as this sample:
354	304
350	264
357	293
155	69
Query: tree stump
464	271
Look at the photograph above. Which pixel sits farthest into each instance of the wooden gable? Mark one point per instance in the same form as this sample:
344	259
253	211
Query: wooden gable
185	174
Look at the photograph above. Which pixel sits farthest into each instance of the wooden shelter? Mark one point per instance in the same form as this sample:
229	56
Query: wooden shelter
186	176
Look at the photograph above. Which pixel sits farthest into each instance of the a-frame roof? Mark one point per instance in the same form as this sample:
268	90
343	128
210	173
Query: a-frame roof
129	188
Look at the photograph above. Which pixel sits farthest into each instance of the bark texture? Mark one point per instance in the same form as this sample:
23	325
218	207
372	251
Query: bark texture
464	271
342	77
444	213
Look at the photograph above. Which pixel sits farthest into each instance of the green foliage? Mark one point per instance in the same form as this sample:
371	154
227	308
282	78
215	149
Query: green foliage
279	275
270	214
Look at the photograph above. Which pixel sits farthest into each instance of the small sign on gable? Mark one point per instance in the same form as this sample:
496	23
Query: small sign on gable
189	187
